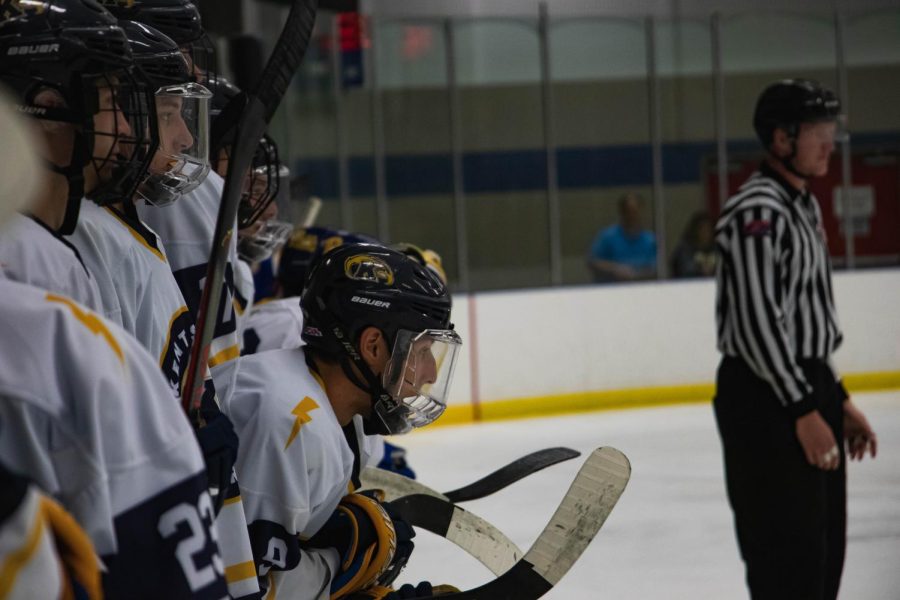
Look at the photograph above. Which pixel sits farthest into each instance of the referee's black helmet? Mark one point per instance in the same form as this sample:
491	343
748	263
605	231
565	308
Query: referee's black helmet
788	103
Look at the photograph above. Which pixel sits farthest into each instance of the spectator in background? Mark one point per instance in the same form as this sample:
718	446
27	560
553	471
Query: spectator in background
626	251
695	255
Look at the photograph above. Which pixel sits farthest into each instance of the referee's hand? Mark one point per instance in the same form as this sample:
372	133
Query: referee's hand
858	433
818	442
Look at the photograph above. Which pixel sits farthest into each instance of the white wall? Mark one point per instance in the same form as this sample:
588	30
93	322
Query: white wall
567	340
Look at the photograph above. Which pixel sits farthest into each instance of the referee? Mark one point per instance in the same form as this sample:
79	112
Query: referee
783	414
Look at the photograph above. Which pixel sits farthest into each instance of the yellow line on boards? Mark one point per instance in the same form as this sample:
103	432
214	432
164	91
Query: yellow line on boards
543	406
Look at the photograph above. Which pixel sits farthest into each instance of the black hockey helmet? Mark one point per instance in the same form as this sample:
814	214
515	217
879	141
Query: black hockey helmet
356	286
77	49
788	103
179	20
425	257
304	248
225	110
156	54
181	162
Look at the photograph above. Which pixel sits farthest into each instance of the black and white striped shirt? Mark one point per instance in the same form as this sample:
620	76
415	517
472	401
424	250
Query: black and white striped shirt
774	302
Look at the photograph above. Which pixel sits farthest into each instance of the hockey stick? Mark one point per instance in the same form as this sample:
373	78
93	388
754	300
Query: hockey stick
511	473
312	212
591	497
257	112
471	533
395	485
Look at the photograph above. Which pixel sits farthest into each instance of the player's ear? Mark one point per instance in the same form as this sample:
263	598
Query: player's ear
373	348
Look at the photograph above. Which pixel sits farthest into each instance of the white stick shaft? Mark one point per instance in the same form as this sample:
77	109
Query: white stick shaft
312	213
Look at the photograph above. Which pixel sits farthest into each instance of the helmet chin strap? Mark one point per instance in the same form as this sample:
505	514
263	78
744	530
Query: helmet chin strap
372	386
788	162
74	174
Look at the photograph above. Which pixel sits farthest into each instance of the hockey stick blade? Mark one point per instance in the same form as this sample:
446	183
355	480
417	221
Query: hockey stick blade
395	485
582	512
468	531
259	108
511	473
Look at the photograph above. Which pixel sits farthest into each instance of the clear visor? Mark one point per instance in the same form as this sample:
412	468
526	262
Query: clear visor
261	239
182	161
418	376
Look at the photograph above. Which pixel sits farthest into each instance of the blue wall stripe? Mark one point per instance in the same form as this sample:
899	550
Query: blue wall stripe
525	170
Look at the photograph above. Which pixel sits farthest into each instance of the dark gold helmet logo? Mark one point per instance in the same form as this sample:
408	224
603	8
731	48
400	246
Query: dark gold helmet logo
365	267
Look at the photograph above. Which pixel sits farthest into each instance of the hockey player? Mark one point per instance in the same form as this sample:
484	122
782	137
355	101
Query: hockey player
186	227
380	345
132	269
125	256
279	323
45	553
78	99
85	412
99	430
262	233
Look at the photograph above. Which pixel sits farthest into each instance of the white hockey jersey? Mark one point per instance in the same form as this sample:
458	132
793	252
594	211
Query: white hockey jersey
294	466
136	285
278	324
245	291
31	253
186	228
133	273
273	325
86	413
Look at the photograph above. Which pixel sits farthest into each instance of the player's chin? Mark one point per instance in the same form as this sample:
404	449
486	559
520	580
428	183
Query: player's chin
821	168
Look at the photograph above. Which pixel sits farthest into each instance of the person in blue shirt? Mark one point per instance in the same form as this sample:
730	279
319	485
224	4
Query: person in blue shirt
625	251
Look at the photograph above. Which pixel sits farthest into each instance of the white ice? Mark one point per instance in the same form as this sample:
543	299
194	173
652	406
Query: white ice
670	537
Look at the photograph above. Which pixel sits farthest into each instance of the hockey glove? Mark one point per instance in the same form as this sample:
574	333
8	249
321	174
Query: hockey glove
404	534
406	592
219	444
363	535
394	460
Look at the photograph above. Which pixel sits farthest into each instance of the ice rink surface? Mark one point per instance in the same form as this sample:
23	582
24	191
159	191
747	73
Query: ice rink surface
671	535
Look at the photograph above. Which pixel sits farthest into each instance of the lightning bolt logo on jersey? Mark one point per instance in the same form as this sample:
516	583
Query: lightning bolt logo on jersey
301	411
91	321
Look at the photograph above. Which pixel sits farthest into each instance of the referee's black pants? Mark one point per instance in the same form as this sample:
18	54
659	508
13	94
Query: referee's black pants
790	517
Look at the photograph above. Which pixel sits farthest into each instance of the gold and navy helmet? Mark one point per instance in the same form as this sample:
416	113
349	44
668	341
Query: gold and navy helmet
356	286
